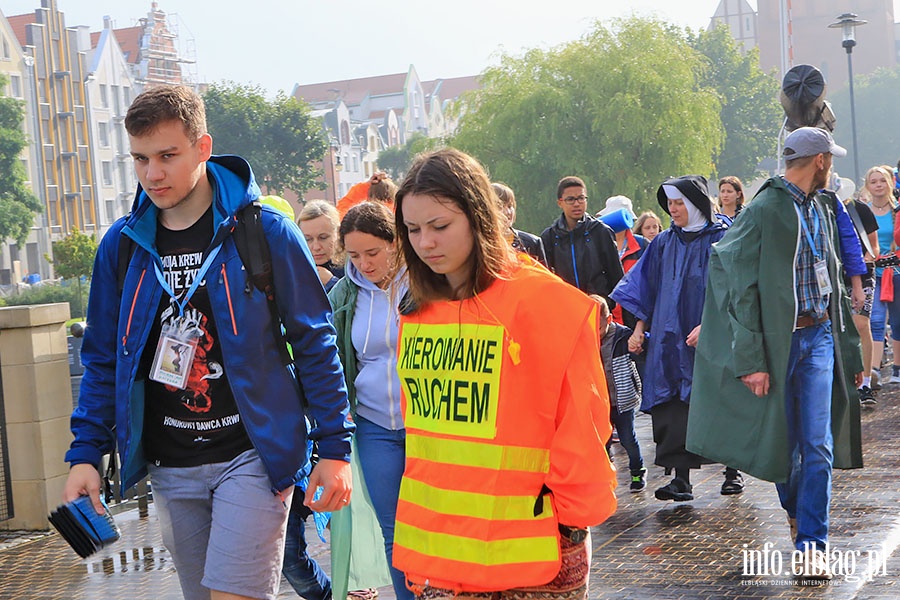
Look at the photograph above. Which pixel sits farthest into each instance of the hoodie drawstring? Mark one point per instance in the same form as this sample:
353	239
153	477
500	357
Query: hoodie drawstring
369	323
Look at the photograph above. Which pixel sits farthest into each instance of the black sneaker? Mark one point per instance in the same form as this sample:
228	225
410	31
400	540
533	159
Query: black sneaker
866	397
638	480
678	490
734	483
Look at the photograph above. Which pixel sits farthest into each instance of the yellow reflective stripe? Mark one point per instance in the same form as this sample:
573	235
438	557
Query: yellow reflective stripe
478	454
471	504
482	552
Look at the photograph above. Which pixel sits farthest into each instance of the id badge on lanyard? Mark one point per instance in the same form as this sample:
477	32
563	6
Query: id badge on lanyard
179	338
820	265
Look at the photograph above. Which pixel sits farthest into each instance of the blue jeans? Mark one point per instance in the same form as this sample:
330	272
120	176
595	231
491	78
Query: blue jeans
382	458
302	572
884	311
624	424
807	494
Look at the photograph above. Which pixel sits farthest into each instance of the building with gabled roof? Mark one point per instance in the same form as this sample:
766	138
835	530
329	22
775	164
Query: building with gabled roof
439	94
370	98
363	116
740	18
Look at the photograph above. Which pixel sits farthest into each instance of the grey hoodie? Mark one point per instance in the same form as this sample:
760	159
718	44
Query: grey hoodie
374	334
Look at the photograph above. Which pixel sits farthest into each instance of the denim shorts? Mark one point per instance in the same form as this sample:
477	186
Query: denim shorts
223	526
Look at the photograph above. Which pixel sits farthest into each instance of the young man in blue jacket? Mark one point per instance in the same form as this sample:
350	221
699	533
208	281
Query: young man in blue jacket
184	368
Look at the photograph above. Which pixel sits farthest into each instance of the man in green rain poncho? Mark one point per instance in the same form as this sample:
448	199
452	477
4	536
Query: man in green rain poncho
774	392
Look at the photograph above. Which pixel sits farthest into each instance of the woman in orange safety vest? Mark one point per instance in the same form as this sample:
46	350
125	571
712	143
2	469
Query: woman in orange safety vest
504	401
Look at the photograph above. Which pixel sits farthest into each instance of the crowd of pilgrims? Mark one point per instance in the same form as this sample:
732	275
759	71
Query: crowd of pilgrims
647	280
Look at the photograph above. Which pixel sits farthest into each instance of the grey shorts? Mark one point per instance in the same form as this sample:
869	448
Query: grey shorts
223	526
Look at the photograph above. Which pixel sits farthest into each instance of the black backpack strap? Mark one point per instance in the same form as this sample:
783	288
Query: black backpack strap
860	228
253	248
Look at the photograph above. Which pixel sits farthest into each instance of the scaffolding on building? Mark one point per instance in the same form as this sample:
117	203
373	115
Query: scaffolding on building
166	57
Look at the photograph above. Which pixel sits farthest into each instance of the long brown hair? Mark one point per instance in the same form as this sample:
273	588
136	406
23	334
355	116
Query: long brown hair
646	216
738	187
452	176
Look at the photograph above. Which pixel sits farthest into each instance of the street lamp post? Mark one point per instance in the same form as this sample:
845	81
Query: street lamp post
848	22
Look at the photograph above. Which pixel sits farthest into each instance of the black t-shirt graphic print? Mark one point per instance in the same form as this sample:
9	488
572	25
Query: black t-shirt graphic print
199	424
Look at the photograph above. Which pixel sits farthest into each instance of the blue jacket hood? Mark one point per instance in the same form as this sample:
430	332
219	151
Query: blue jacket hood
235	188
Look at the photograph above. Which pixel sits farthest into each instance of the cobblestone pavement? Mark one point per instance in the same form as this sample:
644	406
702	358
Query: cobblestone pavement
647	550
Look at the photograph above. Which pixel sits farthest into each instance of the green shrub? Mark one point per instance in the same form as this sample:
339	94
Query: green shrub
50	293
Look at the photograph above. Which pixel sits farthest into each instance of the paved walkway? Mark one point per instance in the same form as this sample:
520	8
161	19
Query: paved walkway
648	549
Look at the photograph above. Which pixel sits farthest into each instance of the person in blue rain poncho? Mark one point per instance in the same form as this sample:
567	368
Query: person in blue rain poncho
665	291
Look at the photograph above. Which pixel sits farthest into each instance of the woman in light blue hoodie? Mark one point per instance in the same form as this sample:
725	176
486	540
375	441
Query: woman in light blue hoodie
366	317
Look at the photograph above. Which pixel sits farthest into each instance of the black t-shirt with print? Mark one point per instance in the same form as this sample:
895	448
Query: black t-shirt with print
199	424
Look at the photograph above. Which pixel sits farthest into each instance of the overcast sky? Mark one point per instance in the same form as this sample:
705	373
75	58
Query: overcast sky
277	43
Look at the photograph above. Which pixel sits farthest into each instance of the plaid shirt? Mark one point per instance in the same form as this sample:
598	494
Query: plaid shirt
809	300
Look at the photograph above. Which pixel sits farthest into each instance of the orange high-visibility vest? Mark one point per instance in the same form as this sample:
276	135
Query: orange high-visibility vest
503	394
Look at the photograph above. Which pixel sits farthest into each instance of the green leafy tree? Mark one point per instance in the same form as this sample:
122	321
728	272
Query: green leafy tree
622	108
877	118
751	114
395	160
73	258
279	137
18	205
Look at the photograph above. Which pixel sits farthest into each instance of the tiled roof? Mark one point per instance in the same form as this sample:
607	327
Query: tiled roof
19	23
129	39
352	91
451	88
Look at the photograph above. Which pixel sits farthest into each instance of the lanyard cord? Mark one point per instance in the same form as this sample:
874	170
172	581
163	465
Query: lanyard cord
201	274
810	238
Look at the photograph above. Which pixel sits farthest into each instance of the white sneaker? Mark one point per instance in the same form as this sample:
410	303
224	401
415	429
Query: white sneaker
893	379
